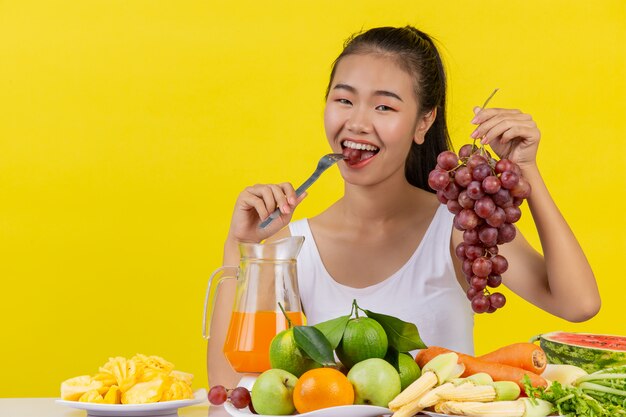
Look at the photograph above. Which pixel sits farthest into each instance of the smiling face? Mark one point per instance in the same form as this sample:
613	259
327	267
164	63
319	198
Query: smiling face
371	116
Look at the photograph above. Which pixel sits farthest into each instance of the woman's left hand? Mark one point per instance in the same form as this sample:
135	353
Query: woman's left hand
510	133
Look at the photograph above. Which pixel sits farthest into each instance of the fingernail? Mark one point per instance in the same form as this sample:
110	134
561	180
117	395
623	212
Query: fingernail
286	209
474	134
483	140
477	109
292	201
474	120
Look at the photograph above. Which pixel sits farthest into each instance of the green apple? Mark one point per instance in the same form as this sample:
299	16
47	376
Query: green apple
375	382
272	393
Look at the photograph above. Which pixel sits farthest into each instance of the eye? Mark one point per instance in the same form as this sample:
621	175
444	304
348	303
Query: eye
343	101
383	107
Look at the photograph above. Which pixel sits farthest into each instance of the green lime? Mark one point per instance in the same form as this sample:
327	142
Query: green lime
286	355
409	370
363	338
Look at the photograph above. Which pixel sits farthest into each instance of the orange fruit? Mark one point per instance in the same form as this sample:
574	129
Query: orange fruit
322	388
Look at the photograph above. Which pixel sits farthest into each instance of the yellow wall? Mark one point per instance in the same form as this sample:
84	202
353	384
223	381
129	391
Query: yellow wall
127	128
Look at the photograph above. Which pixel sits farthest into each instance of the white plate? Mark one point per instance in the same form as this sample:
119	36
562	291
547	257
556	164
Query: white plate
164	408
341	411
433	414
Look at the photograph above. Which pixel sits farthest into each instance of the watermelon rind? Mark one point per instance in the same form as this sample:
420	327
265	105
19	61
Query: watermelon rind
591	359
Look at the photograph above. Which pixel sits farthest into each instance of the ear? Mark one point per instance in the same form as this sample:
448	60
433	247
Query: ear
424	122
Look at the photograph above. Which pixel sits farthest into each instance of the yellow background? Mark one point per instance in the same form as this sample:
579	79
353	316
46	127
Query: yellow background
127	129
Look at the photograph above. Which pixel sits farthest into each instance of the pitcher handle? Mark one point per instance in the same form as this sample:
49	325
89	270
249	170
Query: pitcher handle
217	277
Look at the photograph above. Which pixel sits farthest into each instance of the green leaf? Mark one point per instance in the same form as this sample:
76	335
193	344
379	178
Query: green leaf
313	342
403	336
333	329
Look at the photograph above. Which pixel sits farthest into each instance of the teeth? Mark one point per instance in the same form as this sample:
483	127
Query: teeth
362	146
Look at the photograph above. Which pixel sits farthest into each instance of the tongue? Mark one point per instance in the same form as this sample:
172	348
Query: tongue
356	155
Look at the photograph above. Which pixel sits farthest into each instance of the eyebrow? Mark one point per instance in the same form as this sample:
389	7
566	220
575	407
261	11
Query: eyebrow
376	93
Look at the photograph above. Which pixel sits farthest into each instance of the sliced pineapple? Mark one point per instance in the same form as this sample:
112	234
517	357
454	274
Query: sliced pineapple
177	390
113	395
91	396
185	377
72	389
145	392
124	371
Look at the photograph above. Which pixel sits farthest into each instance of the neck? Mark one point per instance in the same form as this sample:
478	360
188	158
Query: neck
379	203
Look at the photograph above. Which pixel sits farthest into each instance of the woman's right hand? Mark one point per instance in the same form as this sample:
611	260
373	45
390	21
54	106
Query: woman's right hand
255	204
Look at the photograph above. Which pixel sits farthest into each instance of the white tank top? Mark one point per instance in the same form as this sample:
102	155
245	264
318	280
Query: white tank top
424	291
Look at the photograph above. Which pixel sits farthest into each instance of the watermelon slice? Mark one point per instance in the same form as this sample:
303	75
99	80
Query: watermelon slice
588	351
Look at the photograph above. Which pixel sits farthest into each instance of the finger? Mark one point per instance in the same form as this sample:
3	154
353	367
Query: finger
289	192
256	203
268	198
488	124
486	114
512	129
280	198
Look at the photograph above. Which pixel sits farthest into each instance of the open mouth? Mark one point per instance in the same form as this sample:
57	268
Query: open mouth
356	152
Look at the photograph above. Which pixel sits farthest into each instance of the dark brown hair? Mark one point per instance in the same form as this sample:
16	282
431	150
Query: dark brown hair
416	53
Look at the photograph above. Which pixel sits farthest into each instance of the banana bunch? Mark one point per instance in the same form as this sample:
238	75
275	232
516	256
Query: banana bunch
139	380
441	387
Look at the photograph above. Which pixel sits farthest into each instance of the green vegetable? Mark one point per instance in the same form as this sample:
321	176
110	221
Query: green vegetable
599	398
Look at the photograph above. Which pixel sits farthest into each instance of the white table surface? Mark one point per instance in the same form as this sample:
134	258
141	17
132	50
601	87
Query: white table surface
47	407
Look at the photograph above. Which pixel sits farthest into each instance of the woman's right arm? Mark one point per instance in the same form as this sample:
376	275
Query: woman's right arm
253	206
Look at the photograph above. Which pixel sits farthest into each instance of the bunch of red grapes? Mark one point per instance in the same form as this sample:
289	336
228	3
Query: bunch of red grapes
484	195
239	397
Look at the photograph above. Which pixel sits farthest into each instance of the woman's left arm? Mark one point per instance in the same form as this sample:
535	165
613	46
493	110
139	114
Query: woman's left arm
561	282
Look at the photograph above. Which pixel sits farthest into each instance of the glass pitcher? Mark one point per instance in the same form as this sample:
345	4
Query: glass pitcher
265	277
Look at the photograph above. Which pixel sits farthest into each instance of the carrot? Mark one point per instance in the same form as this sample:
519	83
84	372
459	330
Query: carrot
522	355
497	371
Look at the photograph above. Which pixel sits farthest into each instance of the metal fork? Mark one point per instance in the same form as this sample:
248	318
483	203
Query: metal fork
324	163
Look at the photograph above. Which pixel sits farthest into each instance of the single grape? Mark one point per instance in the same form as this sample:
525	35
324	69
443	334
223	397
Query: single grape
497	300
517	201
473	252
478	283
503	198
467	219
475	190
494	281
438	179
240	397
488	236
471	293
463	176
454	206
451	192
491	309
503	165
485	207
442	198
499	264
480	303
476	160
460	250
497	218
512	214
481	172
506	233
465	201
509	179
466	150
447	160
217	395
491	184
467	268
521	189
470	237
481	267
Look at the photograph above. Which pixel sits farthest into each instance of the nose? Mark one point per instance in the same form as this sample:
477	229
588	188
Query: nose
359	121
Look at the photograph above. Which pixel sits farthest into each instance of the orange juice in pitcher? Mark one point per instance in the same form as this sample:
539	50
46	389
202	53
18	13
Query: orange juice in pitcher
249	337
266	278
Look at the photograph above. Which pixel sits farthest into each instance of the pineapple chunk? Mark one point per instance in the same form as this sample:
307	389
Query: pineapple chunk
144	392
72	389
113	395
91	396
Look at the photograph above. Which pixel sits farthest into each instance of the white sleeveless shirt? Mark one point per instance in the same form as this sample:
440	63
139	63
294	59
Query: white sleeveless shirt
424	291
